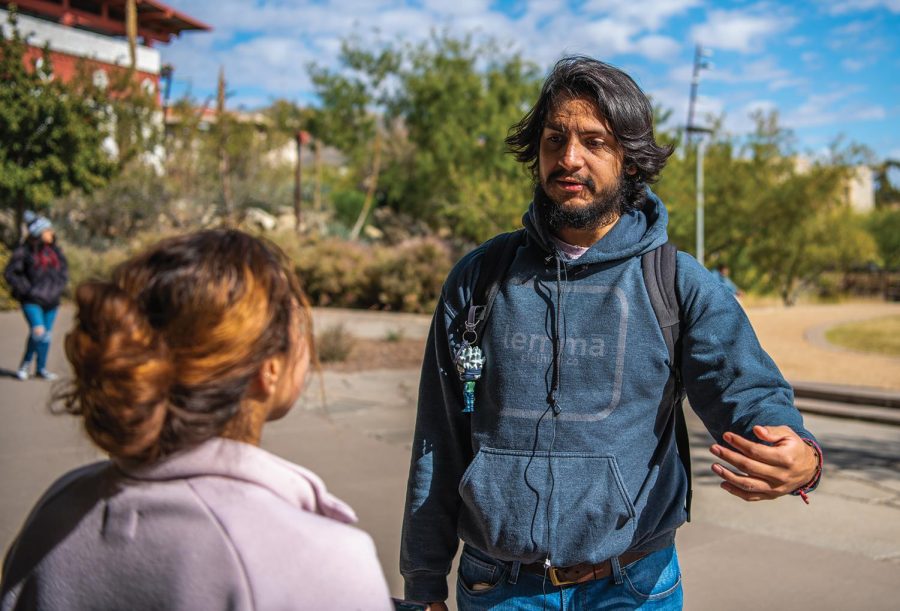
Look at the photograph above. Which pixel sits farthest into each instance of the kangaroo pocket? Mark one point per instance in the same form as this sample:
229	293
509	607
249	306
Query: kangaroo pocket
518	505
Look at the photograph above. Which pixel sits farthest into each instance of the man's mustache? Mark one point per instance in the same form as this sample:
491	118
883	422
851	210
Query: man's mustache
587	181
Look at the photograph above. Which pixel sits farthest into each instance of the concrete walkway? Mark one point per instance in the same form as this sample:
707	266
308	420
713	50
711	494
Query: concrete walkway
841	552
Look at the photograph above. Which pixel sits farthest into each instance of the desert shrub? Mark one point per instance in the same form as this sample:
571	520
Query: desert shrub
409	277
6	300
334	343
333	272
394	335
344	273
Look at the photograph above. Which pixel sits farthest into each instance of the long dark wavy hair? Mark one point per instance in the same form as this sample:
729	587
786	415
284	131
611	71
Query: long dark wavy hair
622	105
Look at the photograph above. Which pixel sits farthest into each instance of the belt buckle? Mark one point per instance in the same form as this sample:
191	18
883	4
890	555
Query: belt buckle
555	580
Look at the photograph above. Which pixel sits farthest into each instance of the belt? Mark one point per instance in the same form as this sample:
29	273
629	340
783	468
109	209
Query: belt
580	573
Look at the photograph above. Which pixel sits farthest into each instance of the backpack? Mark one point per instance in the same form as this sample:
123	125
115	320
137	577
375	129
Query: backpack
658	267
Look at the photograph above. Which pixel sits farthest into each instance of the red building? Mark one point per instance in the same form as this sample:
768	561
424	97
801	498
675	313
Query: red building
93	33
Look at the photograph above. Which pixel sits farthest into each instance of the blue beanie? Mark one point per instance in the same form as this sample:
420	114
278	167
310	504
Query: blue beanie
36	224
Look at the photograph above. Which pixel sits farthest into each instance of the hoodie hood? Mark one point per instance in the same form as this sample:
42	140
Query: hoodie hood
635	233
236	460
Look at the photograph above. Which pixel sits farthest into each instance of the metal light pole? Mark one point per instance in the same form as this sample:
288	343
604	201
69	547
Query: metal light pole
700	63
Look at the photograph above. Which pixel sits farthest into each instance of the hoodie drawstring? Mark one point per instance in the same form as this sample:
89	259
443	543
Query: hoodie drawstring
553	400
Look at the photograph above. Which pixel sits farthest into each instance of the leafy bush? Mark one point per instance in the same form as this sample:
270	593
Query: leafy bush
88	264
347	205
334	343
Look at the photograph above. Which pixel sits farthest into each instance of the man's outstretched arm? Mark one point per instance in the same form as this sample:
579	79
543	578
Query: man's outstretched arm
741	396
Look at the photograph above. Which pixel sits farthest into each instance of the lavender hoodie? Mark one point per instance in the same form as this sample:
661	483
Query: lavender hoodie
224	525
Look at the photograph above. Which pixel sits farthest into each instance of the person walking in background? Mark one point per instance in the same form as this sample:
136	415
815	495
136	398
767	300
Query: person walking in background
37	274
723	274
178	363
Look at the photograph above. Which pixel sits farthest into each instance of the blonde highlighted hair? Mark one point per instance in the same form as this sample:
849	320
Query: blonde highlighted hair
165	351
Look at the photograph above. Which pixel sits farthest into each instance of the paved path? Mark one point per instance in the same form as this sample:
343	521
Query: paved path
841	552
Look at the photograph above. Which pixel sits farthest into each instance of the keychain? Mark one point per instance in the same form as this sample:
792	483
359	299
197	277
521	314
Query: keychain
469	361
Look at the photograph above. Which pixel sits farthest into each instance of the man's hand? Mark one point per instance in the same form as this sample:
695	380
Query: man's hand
436	607
765	472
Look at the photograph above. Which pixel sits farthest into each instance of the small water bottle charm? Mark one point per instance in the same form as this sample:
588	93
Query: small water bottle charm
469	396
469	360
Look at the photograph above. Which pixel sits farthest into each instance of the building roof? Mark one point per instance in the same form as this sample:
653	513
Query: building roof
156	21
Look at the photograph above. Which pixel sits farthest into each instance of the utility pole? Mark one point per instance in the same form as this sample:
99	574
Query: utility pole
223	129
131	31
700	63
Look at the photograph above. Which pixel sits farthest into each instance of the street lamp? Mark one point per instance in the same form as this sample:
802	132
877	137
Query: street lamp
700	63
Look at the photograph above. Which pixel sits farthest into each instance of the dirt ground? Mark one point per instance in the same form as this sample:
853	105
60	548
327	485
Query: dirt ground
795	338
380	354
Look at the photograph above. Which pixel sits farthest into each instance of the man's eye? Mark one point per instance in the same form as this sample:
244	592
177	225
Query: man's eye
596	143
554	139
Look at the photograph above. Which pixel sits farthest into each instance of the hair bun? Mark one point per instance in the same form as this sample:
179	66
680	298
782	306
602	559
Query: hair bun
122	372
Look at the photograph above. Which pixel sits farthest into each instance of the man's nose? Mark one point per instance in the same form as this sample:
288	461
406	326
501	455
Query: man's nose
573	156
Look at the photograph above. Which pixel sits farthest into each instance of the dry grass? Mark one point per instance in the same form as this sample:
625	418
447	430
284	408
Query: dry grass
879	335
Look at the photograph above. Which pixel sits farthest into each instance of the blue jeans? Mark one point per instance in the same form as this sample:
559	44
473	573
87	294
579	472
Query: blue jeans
38	343
653	582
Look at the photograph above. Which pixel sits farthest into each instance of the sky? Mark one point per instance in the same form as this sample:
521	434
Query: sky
831	68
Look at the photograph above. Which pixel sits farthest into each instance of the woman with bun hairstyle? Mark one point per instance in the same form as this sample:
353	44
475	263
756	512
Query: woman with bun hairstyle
178	362
37	274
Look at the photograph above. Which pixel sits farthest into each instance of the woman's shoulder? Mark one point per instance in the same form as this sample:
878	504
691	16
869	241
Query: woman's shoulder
75	482
280	545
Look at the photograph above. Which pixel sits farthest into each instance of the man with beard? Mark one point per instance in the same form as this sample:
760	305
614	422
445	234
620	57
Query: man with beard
545	439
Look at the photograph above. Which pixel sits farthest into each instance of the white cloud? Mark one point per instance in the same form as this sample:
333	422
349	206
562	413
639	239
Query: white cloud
739	30
457	7
658	47
645	14
853	65
842	7
739	121
830	109
270	43
763	70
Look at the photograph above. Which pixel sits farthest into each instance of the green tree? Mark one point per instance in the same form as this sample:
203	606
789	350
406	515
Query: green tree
442	119
886	192
884	225
346	119
777	224
50	136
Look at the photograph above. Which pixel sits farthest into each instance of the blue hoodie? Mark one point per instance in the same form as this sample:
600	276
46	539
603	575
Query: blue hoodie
599	475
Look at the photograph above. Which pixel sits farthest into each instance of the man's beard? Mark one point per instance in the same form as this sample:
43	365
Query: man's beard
608	204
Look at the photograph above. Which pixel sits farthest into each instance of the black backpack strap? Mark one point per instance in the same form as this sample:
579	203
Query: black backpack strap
495	263
658	267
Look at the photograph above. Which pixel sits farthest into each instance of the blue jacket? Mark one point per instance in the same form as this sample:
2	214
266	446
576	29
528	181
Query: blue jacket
602	476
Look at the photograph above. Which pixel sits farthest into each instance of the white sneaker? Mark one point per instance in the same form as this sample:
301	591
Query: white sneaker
46	374
22	373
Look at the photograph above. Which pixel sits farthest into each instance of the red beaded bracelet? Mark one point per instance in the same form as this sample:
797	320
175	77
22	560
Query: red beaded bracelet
802	491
